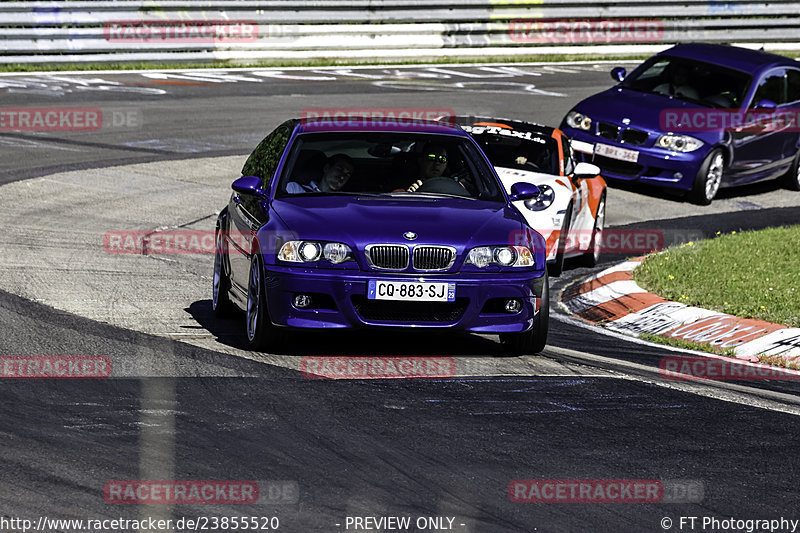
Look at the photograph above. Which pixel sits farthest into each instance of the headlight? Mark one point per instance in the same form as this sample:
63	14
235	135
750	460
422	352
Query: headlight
545	199
336	252
579	121
312	251
480	257
309	251
507	256
678	143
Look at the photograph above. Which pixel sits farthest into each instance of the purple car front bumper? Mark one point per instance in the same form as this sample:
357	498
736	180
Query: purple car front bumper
340	300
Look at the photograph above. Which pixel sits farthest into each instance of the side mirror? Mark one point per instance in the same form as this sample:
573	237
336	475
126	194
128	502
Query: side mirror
523	191
766	105
248	185
618	73
585	170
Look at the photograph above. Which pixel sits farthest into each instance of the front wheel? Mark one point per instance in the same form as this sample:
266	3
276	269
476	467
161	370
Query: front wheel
534	340
220	300
708	179
261	333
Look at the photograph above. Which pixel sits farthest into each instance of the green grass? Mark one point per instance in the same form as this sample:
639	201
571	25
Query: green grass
751	274
689	345
777	360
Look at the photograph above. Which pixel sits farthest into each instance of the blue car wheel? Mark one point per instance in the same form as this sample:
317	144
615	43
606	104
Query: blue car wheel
261	333
708	179
220	299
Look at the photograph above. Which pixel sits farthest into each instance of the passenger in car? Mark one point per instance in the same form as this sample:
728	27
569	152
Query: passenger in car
337	171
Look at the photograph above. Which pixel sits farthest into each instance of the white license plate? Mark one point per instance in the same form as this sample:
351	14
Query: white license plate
411	291
615	152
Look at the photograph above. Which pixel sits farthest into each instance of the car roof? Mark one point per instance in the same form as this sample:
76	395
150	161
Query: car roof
367	124
735	57
518	125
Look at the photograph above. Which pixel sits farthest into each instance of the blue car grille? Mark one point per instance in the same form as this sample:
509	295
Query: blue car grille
388	256
426	258
433	257
613	132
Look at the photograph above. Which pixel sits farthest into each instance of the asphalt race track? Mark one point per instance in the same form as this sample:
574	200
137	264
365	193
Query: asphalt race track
185	401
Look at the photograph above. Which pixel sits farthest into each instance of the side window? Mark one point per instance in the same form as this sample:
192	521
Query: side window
264	159
773	87
792	85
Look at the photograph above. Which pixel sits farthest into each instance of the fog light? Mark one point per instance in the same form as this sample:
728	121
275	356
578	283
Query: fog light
302	301
513	305
677	175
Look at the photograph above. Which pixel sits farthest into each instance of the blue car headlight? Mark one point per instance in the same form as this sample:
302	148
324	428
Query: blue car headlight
505	256
678	143
313	251
545	199
578	121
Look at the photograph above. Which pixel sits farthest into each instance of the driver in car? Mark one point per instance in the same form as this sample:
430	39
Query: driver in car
432	161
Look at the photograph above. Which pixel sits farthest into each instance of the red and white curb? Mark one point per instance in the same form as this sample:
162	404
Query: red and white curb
612	299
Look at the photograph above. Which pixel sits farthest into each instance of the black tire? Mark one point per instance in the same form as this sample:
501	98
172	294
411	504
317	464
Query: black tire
220	280
557	267
708	179
261	333
534	340
791	180
592	257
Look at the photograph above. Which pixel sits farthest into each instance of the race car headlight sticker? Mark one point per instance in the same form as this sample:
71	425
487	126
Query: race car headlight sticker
579	121
506	256
678	143
312	251
545	199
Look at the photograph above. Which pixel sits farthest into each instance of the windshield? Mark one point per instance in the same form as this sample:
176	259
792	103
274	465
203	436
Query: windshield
329	163
690	80
521	150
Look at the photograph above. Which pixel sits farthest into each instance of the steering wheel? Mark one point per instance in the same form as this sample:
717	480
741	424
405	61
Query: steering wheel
444	185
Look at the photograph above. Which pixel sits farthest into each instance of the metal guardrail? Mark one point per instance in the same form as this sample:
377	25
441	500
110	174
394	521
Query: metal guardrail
174	30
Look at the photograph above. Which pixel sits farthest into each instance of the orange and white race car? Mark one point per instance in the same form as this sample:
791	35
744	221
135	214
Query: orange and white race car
570	209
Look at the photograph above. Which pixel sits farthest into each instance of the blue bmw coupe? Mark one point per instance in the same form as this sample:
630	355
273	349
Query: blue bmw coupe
361	223
695	117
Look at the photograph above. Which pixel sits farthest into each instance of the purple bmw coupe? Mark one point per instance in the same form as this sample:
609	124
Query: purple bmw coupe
383	225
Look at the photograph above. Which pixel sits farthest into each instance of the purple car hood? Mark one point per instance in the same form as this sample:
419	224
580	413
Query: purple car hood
362	220
643	110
